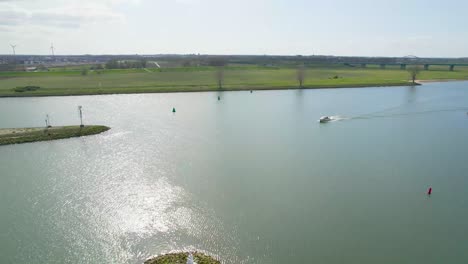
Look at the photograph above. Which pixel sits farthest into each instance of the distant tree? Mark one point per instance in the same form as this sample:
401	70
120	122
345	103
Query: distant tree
143	63
112	64
220	76
84	71
41	67
413	72
217	61
301	75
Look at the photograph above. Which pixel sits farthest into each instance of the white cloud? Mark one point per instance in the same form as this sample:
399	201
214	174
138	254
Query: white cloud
74	26
60	14
219	26
10	15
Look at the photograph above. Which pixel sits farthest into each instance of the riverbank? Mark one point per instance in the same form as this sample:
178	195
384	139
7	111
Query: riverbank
181	258
195	89
193	79
26	135
438	80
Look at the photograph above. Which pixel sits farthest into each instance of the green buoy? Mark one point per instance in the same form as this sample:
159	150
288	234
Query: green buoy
173	110
219	98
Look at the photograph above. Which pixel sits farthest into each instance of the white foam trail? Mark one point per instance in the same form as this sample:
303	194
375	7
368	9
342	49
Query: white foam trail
339	118
456	109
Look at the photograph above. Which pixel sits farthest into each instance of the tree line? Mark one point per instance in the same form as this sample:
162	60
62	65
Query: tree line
126	64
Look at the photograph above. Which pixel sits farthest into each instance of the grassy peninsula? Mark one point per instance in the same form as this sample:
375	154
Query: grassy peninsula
181	258
25	135
64	81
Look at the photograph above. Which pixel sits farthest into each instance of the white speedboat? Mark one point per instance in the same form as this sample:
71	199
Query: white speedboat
325	119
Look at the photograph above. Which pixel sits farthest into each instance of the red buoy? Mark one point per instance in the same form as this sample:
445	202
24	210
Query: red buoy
429	192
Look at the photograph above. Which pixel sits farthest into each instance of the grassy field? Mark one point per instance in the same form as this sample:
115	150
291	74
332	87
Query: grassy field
71	82
25	135
181	258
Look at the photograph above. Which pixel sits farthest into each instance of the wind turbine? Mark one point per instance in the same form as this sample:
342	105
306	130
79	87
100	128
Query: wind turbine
52	49
13	47
14	54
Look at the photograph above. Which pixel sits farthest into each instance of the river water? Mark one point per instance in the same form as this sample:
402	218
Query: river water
251	178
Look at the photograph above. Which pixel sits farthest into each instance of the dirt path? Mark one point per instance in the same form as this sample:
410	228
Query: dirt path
6	131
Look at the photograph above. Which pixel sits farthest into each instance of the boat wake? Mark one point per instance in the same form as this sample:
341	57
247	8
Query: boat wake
382	114
338	118
402	114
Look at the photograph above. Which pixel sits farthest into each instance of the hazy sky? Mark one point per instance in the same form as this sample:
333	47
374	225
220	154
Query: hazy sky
433	28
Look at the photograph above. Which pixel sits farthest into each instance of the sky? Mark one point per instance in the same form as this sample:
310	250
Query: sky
424	28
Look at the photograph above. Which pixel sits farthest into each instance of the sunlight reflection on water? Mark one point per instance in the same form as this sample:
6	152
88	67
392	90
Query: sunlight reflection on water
251	178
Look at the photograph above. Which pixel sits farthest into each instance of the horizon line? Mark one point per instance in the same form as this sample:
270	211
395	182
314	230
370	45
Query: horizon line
208	54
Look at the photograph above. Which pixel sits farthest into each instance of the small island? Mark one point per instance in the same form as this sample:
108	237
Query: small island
25	135
181	258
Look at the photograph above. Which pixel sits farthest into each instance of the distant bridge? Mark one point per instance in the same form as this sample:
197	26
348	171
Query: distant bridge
451	66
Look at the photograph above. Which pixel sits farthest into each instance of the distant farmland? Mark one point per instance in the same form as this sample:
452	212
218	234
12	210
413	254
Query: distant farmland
188	79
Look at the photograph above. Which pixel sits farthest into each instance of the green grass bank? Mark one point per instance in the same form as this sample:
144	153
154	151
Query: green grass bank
181	258
193	79
25	135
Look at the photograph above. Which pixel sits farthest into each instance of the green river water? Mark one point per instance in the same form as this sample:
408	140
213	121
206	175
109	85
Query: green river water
252	178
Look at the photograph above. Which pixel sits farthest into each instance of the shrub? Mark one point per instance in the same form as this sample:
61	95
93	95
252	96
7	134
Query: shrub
26	89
